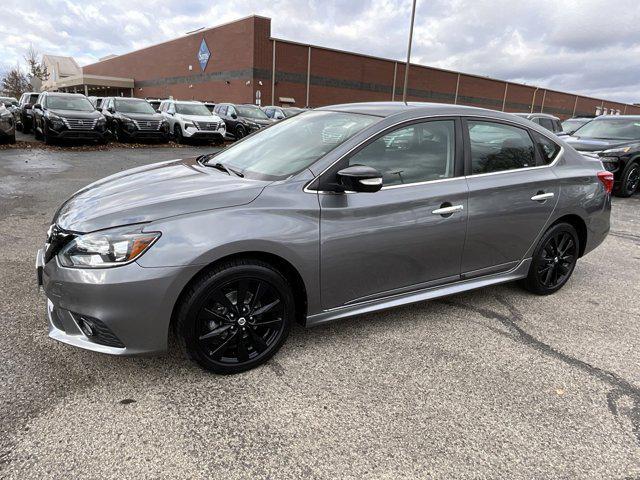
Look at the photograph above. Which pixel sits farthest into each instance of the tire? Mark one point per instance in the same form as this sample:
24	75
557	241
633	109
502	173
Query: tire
117	133
554	260
630	181
36	134
12	139
240	132
26	126
224	337
177	133
46	138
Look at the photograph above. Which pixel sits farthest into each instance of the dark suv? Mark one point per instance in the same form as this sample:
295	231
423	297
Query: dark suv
67	115
614	140
550	122
134	118
24	118
242	120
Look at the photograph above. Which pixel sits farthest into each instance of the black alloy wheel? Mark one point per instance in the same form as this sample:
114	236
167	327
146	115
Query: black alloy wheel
554	260
46	138
240	133
236	317
630	180
117	133
36	131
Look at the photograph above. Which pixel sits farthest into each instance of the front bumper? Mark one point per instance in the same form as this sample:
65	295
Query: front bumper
78	134
129	307
146	135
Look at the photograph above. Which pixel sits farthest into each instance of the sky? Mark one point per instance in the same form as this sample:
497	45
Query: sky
591	47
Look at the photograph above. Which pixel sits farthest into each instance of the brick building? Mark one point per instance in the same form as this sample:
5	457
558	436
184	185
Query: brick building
241	62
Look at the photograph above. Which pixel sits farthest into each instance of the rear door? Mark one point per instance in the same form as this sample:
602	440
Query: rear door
399	238
512	193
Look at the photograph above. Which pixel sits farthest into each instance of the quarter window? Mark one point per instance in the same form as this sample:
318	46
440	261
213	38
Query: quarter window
418	153
496	147
548	149
547	123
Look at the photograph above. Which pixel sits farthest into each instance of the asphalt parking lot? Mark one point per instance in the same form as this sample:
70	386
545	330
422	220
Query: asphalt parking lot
495	383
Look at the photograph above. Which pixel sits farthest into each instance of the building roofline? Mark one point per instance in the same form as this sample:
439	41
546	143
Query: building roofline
189	34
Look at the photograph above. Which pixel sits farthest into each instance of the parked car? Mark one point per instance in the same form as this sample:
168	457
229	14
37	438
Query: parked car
241	120
570	125
318	218
67	116
11	104
550	122
192	120
25	114
134	119
279	113
614	140
96	101
7	124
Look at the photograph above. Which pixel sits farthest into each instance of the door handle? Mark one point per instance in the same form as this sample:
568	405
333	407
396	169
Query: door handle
541	196
448	210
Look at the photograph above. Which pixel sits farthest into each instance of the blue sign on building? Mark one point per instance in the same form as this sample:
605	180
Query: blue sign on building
203	55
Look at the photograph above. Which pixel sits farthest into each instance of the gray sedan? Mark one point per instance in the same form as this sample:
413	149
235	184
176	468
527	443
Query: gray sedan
336	212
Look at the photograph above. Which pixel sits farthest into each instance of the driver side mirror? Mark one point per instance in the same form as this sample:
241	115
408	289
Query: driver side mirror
111	110
360	178
37	106
234	116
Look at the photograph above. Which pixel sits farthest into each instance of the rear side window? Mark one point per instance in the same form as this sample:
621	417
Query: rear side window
547	123
418	153
549	150
497	147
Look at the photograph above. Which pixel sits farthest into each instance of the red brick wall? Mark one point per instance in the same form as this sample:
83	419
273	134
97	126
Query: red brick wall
242	52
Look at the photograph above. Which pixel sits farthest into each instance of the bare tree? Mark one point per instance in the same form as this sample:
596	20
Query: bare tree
36	69
14	82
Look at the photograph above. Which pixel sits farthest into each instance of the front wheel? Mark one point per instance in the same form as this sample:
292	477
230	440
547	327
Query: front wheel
554	260
630	181
240	132
236	317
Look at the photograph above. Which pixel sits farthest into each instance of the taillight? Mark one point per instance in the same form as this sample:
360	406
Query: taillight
607	180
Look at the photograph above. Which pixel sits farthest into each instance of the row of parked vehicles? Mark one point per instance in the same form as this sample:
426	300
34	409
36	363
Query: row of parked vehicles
53	116
612	139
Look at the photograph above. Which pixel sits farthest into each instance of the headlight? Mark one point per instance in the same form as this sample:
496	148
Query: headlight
110	248
189	125
614	152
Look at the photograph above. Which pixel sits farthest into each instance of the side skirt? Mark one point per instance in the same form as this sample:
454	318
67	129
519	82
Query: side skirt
518	272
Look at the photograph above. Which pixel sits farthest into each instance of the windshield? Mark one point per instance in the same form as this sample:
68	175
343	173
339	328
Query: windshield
292	111
572	125
133	106
192	109
611	129
69	103
292	145
251	112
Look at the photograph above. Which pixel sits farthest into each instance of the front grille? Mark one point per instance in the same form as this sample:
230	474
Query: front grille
57	239
80	123
148	125
206	125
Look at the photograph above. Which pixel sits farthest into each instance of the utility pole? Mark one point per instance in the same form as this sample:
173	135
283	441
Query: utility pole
406	68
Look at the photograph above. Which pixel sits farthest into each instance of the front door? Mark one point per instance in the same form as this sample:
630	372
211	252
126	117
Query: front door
512	194
399	238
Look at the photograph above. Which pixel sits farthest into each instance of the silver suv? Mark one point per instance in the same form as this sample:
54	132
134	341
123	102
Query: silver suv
335	212
191	119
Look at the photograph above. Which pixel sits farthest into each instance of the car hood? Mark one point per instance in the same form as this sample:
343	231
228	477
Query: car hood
200	118
585	144
76	113
260	121
152	192
142	116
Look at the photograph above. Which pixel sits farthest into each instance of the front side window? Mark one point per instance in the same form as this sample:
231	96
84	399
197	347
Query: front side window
286	148
496	147
418	153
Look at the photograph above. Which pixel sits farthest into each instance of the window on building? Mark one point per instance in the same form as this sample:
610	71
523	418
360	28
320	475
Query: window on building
496	147
418	153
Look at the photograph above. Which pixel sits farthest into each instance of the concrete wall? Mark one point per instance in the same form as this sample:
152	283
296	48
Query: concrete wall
241	63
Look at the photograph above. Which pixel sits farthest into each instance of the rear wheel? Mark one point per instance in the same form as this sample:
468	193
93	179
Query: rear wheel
630	181
240	132
554	260
236	317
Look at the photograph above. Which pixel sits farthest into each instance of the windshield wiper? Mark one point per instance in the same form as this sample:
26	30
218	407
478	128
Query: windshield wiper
224	168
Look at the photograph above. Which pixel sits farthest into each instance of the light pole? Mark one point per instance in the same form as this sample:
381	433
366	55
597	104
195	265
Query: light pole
406	68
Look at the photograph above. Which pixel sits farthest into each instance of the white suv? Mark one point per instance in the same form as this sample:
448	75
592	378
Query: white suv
191	119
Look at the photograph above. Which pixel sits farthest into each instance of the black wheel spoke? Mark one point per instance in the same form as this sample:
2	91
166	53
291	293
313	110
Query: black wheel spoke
212	315
268	322
241	295
267	307
223	300
215	332
548	276
257	295
243	354
258	342
220	349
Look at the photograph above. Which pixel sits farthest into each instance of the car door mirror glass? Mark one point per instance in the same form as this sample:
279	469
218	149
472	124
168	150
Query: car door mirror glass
360	178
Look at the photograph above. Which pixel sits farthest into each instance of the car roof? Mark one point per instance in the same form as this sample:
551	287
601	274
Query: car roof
535	114
64	94
603	118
